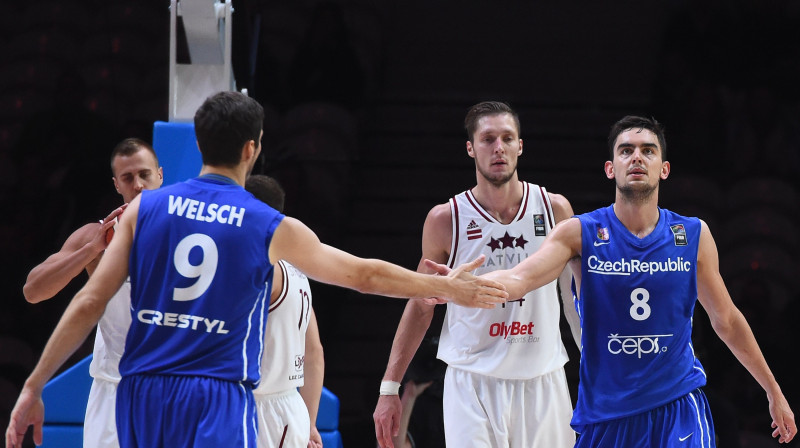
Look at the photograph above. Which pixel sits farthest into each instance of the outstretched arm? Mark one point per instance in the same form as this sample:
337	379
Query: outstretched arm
544	265
297	244
79	318
732	327
82	250
314	371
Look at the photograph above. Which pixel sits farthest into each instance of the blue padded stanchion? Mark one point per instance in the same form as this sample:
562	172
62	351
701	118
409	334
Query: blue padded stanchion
176	148
65	406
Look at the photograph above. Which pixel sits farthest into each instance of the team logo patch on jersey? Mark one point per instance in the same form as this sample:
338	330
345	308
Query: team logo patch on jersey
679	232
474	231
603	236
538	225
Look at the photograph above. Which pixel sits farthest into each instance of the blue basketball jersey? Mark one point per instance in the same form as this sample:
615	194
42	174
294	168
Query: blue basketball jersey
200	282
637	298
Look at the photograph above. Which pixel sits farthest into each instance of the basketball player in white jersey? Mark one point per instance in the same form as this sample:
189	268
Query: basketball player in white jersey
134	166
293	366
505	384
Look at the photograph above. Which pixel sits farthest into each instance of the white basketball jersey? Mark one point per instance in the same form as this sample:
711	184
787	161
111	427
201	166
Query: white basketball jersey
109	341
517	340
285	337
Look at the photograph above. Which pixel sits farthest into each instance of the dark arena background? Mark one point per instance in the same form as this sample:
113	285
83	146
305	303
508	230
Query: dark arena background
365	102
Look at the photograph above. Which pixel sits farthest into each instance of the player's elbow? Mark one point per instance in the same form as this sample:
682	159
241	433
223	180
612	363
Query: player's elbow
32	294
89	305
727	324
315	351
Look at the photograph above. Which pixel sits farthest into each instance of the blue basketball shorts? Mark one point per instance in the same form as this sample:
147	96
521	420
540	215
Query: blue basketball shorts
184	411
683	423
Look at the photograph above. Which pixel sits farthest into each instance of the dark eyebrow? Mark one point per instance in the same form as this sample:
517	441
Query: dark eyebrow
630	145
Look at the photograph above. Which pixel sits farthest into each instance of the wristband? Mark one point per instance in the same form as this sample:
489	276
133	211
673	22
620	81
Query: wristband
390	388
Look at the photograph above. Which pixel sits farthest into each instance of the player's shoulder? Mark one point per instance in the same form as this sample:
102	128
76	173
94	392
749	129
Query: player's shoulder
438	228
676	219
443	208
562	209
678	216
440	213
558	199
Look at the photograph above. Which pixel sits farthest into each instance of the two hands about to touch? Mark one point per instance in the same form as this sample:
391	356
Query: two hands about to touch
491	293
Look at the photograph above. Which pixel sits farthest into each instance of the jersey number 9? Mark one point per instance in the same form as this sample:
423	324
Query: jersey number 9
203	272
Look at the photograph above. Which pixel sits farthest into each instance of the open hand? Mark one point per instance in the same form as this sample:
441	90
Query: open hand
471	291
106	230
28	411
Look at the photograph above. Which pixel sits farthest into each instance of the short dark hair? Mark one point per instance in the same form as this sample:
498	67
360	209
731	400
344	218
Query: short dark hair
483	109
224	123
128	147
635	122
267	190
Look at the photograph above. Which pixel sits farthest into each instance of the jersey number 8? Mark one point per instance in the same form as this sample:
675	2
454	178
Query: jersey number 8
640	310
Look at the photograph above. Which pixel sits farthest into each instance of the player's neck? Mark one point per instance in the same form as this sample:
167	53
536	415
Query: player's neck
237	174
501	201
639	218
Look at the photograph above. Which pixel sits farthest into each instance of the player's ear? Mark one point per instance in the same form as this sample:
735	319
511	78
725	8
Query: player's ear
519	153
116	186
470	149
160	175
665	167
249	150
609	169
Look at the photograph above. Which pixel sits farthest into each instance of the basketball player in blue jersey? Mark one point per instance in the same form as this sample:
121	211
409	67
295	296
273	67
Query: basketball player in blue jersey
642	270
293	365
134	166
505	385
200	255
